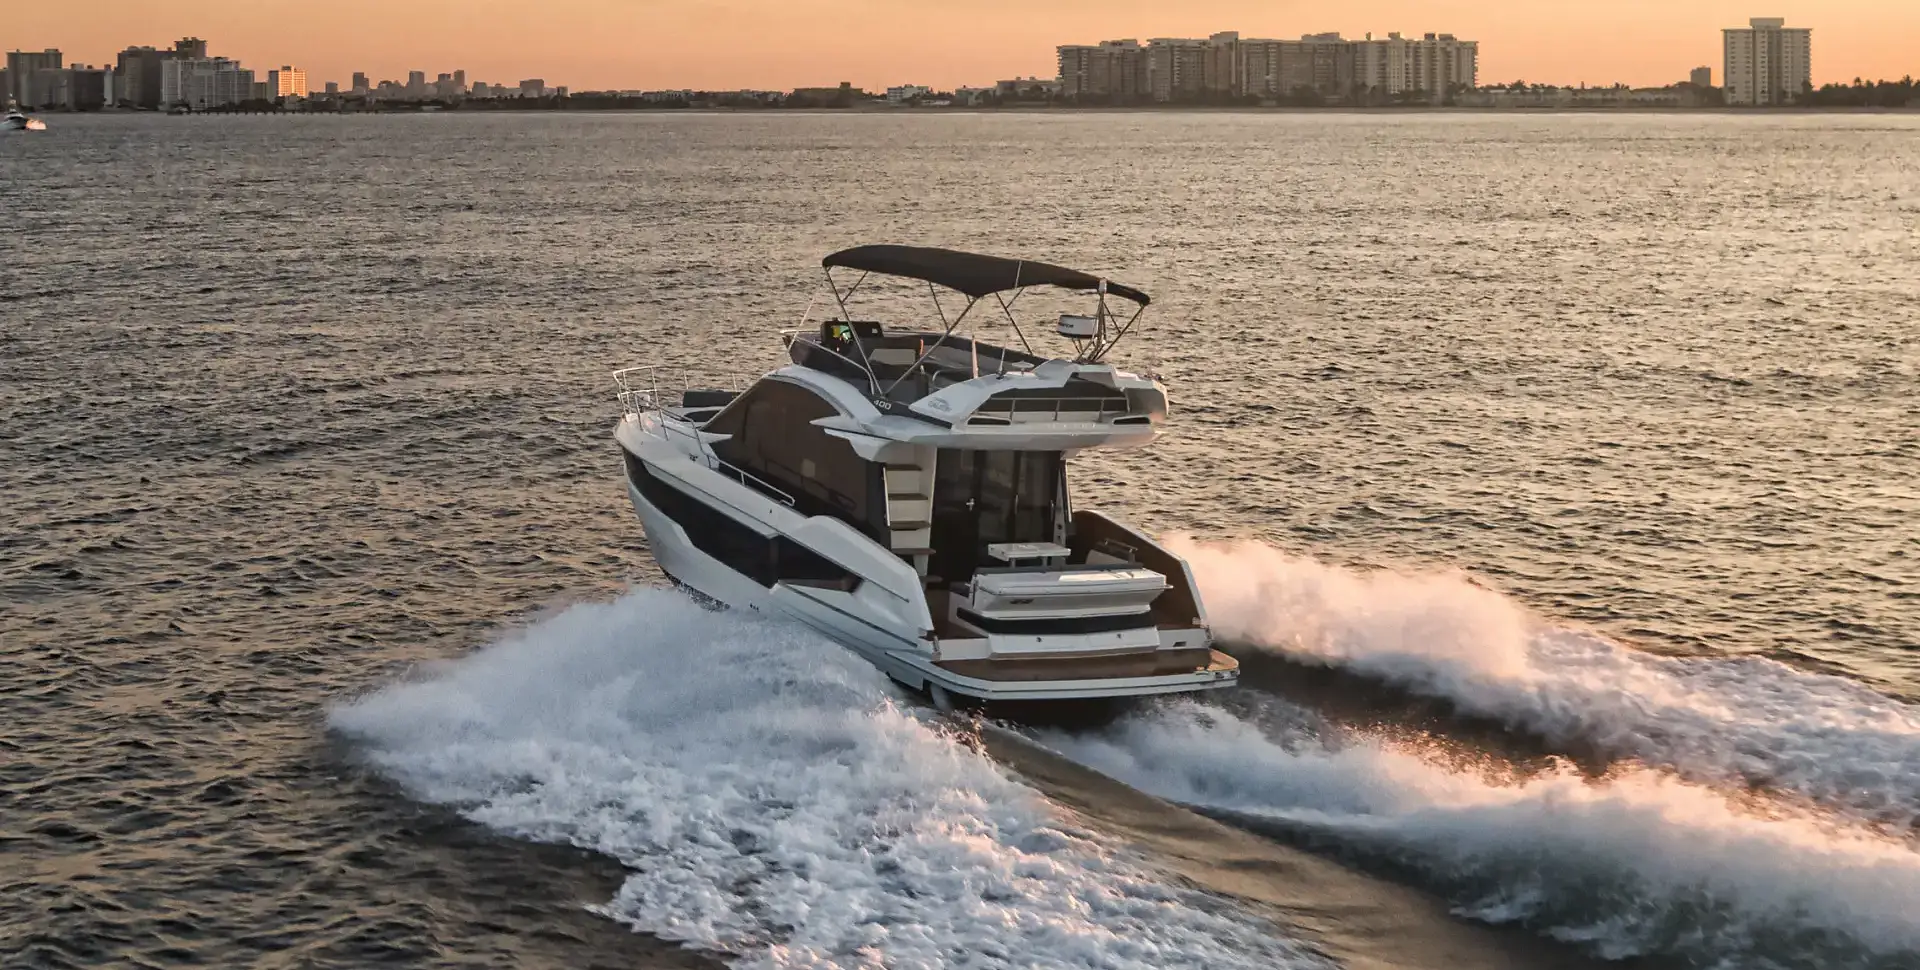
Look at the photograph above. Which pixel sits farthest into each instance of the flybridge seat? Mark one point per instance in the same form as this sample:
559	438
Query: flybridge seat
918	363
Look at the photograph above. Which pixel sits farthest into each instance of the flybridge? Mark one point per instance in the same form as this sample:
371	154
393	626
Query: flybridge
920	369
971	273
977	277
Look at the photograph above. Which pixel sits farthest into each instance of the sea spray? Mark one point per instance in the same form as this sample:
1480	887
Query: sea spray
774	804
1638	863
1737	721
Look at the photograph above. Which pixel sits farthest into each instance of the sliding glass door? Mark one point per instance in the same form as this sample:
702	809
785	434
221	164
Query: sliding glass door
983	497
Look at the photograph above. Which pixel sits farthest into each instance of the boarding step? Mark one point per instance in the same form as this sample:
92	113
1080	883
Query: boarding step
905	539
908	508
909	512
908	480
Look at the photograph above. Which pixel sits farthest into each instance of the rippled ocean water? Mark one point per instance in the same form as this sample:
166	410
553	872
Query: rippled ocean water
1498	439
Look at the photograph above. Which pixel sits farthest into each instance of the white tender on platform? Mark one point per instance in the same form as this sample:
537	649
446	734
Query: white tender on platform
905	493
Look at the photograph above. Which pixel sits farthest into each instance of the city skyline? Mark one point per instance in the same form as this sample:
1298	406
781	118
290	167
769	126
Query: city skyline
594	44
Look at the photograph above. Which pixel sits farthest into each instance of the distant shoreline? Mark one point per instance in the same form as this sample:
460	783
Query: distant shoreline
1046	109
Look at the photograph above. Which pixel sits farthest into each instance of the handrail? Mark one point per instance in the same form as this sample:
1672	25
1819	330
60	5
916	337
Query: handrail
792	336
748	478
1106	405
640	393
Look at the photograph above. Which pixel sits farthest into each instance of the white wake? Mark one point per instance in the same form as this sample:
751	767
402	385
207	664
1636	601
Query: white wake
773	804
1744	721
1640	863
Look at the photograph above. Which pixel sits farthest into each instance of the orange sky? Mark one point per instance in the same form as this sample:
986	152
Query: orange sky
589	44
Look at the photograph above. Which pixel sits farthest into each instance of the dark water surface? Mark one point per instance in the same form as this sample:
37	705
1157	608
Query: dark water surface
292	405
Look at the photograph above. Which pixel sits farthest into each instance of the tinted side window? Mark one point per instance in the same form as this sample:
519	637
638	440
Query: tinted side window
796	564
743	550
713	532
774	438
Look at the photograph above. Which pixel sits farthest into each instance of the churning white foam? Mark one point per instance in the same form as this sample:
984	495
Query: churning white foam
1640	863
773	804
1744	721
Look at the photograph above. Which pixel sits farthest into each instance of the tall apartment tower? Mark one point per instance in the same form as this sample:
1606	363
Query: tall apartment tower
1226	64
1110	69
1177	67
1702	77
138	76
204	82
287	82
23	68
1767	62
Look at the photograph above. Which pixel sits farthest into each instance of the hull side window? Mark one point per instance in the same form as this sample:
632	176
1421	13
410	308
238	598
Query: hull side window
712	531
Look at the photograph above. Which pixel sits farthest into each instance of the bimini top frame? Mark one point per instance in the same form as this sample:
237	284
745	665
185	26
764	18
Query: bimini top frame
976	277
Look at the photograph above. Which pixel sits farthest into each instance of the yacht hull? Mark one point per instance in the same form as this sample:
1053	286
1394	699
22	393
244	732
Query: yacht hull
884	620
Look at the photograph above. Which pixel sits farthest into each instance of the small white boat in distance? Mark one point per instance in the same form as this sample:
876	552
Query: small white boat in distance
905	493
16	120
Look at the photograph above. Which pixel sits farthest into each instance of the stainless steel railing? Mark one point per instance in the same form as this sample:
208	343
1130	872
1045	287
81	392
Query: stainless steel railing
652	389
1074	408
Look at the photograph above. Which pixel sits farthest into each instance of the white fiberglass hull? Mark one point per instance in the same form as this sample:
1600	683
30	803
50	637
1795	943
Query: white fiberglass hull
894	636
903	658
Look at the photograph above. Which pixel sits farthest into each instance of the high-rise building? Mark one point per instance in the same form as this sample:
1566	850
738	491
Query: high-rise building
417	85
192	48
1317	63
1767	62
533	88
1702	77
1177	67
333	89
459	83
1434	65
204	82
23	70
138	70
287	82
1111	69
360	85
1225	64
87	88
52	87
1443	63
1225	67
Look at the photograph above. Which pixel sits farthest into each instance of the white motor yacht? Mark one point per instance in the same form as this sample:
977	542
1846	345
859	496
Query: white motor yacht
17	120
904	492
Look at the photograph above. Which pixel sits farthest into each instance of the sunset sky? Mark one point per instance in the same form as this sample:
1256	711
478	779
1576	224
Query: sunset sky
589	44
